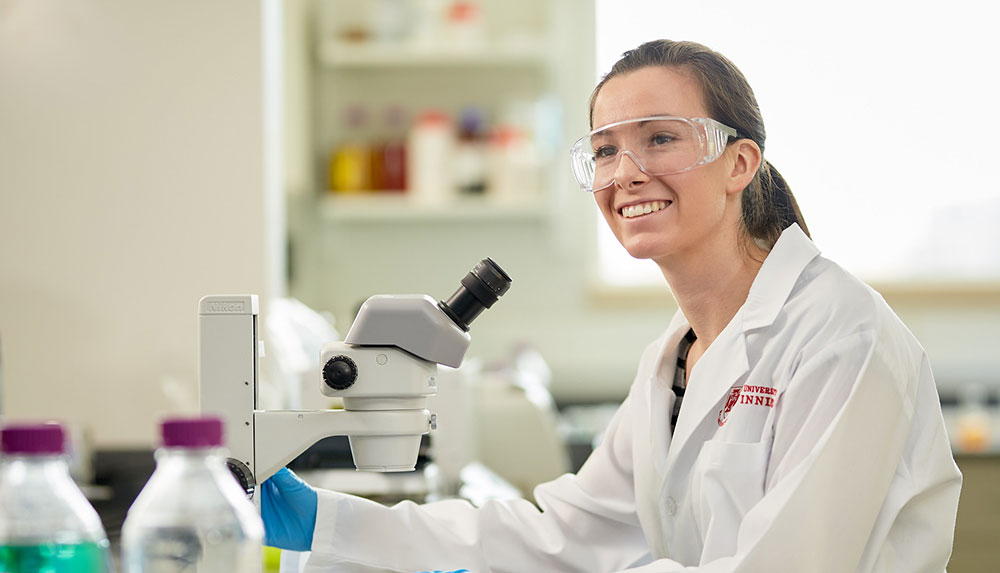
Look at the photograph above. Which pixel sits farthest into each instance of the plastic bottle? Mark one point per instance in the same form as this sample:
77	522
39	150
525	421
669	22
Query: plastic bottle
192	516
389	153
974	419
428	155
350	163
470	153
427	24
512	167
464	26
46	523
391	21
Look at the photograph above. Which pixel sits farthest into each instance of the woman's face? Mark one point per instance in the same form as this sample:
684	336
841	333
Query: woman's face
696	205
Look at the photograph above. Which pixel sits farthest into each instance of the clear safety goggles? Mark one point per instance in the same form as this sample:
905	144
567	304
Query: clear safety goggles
658	145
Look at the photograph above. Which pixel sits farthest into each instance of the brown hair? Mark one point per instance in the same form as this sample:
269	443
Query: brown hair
768	205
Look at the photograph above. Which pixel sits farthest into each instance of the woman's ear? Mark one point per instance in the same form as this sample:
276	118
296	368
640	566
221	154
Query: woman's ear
746	161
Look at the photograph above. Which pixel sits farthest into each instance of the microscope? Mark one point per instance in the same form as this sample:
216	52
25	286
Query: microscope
384	370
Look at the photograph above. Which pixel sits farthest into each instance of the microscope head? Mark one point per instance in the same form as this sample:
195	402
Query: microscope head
481	287
388	361
436	332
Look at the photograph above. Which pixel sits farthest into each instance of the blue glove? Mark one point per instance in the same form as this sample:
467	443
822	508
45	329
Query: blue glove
288	508
458	571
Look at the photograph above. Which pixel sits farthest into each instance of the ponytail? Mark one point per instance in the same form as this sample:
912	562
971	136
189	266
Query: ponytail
769	207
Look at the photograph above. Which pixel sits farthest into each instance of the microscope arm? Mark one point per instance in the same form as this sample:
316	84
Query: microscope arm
383	371
281	435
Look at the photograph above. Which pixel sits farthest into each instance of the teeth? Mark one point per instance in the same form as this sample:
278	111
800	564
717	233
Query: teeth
643	208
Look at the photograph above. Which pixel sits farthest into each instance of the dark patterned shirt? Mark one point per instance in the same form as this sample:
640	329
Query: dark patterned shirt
680	374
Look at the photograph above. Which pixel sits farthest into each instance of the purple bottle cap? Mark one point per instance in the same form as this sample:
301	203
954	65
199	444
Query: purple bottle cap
39	439
199	432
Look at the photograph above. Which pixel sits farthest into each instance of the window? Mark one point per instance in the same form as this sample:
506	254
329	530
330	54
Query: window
879	114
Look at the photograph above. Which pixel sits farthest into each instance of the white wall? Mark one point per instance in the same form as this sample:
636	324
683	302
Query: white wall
133	180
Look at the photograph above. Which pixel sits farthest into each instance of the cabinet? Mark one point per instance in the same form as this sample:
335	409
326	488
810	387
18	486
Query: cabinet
532	67
379	64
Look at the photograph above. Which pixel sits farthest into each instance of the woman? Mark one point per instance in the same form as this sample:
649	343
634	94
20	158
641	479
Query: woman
785	421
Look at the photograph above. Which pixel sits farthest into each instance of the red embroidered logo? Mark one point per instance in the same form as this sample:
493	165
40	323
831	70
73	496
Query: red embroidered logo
734	396
758	395
749	395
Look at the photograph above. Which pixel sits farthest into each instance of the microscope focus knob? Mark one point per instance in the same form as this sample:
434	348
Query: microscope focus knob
340	372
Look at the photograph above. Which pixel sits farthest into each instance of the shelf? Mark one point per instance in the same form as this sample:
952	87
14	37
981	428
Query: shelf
376	206
339	54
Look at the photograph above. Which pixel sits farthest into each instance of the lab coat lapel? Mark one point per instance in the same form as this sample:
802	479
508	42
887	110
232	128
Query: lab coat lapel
661	395
721	367
725	362
651	440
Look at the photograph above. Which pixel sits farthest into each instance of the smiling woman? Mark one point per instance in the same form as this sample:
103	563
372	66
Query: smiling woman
699	200
850	102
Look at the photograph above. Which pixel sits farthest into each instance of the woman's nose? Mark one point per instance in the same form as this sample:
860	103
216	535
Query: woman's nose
630	170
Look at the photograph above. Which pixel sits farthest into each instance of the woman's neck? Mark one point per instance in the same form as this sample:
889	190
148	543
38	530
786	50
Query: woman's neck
711	285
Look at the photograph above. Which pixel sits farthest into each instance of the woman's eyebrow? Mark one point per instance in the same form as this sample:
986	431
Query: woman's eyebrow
603	133
641	122
656	117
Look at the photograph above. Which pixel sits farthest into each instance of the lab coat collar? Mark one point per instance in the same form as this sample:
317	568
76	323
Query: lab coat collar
725	362
779	273
770	289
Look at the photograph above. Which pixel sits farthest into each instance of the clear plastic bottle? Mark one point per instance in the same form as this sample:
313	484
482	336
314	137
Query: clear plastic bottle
46	523
192	515
430	145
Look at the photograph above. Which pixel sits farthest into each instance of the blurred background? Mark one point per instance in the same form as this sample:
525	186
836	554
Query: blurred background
317	152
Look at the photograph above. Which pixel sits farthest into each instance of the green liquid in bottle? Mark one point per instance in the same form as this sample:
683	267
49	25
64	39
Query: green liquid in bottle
55	558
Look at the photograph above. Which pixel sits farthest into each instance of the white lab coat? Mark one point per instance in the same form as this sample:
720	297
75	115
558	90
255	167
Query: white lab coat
810	439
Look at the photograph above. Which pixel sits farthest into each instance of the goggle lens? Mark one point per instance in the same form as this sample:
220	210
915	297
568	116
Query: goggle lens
659	146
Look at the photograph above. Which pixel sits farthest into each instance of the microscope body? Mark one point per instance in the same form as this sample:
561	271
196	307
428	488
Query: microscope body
391	386
384	370
388	363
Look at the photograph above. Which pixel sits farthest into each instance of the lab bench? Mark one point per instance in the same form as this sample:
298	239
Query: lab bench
120	475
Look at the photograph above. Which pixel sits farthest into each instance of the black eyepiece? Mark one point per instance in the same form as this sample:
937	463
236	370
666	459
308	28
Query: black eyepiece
480	289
